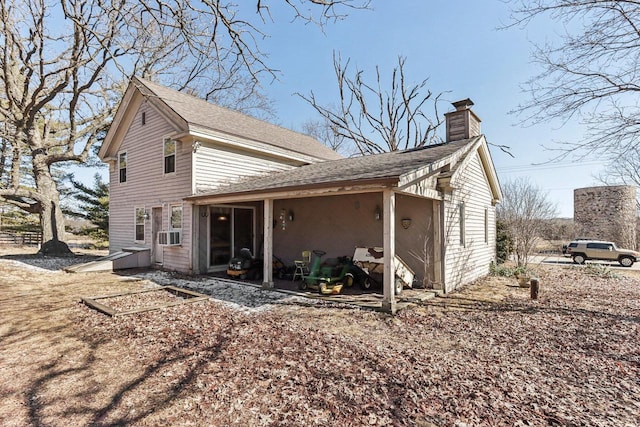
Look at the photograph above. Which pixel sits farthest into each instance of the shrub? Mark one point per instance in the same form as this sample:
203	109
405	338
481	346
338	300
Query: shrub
502	270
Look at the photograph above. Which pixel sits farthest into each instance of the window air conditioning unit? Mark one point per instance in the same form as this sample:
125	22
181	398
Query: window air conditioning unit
169	238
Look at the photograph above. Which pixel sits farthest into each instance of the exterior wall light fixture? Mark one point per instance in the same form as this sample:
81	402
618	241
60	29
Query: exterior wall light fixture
377	214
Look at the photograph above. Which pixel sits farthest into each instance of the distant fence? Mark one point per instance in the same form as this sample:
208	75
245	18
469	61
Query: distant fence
26	238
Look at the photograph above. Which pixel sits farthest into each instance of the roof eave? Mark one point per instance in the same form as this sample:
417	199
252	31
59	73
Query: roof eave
251	145
409	178
118	118
123	117
482	148
490	170
297	191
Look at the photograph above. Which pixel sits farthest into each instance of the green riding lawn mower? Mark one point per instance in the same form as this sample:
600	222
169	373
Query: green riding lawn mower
331	275
328	276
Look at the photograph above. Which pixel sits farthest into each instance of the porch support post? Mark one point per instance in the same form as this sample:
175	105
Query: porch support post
389	243
443	246
195	238
267	272
437	245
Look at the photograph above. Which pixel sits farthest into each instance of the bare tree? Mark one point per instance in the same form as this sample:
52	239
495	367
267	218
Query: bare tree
524	211
325	132
625	171
591	74
63	65
397	116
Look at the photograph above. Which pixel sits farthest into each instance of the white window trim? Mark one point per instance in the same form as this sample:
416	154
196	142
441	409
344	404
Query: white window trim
461	220
135	224
175	155
176	205
126	167
486	225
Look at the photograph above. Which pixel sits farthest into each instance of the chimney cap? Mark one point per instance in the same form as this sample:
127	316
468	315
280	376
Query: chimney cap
465	104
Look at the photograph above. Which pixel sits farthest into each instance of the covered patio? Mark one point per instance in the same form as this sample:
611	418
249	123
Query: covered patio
354	296
335	221
394	201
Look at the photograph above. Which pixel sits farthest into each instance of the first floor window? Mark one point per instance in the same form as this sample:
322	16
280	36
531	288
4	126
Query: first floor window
462	227
486	225
140	214
176	218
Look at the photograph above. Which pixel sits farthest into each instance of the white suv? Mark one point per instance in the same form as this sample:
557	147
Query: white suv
582	250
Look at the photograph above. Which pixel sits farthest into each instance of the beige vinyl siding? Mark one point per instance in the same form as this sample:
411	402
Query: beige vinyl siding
216	165
465	263
178	257
147	186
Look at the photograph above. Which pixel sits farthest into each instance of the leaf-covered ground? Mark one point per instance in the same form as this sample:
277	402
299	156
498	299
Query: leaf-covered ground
486	355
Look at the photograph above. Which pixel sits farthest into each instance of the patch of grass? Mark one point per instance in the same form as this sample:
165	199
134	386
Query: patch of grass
598	270
505	270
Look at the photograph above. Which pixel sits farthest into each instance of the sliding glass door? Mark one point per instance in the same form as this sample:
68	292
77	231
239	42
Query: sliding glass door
230	229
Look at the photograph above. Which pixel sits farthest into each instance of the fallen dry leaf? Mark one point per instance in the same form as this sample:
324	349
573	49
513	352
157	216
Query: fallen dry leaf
486	355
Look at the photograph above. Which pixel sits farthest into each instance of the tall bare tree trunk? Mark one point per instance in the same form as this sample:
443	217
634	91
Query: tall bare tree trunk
51	218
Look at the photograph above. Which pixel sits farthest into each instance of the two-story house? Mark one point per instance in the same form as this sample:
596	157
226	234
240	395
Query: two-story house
193	183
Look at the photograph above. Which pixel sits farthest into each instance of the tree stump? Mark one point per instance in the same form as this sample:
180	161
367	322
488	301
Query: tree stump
535	287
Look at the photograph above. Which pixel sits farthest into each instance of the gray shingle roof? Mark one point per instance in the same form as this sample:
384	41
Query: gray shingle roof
203	114
376	167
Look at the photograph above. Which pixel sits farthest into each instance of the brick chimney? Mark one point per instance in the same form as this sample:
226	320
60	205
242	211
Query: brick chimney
462	123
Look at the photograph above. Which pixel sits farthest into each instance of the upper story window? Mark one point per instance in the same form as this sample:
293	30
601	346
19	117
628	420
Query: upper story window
122	167
169	155
175	221
140	217
144	118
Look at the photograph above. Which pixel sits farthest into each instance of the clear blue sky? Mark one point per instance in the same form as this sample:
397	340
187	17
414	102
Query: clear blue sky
454	43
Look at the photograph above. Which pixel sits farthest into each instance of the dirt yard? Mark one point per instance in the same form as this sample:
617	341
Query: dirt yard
486	355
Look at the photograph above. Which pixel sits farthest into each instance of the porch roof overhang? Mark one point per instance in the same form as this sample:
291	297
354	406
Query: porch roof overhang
295	192
198	133
407	171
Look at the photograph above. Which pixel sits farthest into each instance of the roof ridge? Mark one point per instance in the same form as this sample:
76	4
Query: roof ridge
146	82
198	112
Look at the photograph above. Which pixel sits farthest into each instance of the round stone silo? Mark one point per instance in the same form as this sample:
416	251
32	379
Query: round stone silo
606	213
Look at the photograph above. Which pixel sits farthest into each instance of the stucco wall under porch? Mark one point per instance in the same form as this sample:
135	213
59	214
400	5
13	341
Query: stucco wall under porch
335	224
